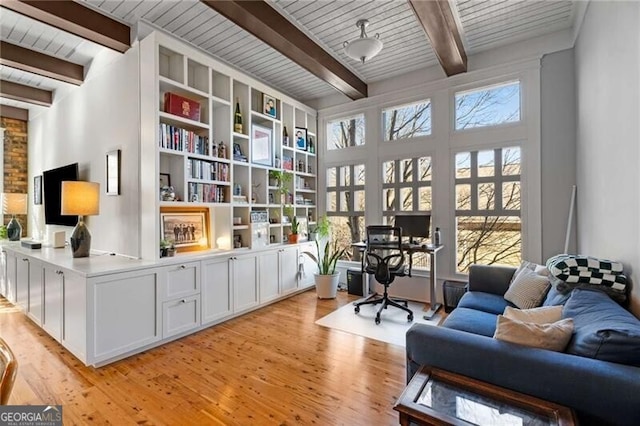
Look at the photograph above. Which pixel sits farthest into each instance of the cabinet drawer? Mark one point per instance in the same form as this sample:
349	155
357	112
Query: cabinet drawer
181	280
180	315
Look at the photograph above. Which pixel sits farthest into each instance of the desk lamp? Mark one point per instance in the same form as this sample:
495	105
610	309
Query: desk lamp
82	199
14	204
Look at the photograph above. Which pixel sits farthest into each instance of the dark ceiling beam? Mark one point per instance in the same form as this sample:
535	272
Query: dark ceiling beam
264	22
38	63
7	111
77	19
438	22
20	92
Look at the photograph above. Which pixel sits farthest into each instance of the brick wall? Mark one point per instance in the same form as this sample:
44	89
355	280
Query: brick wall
15	162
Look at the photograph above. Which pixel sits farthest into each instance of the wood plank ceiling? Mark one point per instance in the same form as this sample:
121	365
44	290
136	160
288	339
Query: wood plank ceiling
485	24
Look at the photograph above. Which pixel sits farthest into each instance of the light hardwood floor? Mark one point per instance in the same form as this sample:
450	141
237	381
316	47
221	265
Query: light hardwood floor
273	366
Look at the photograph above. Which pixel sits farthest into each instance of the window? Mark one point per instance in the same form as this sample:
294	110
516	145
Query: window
488	106
346	204
408	121
488	204
345	132
406	187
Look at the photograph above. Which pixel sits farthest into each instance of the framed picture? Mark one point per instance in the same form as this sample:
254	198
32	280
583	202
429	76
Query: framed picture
113	172
186	229
37	190
301	138
269	105
165	179
261	145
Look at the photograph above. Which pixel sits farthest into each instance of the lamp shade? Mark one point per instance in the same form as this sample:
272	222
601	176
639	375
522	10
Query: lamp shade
14	203
80	198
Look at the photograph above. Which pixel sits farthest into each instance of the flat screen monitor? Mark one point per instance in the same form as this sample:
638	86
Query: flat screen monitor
52	189
413	225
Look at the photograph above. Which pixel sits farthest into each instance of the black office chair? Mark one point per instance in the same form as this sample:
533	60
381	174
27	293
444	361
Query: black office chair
384	258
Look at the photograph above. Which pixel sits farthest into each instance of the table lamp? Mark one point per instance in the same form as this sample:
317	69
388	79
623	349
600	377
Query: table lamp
14	204
82	199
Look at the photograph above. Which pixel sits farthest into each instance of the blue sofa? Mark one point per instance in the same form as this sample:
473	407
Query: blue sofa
601	392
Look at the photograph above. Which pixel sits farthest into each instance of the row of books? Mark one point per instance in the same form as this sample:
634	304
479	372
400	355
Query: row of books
206	193
199	169
172	137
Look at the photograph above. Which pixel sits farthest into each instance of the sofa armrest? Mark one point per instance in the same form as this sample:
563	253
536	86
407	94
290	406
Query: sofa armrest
599	391
490	278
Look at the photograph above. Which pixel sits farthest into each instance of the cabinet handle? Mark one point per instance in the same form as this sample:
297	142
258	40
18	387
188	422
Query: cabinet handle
183	301
59	272
182	267
24	259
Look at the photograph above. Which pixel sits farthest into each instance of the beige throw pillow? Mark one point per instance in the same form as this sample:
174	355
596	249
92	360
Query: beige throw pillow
538	269
527	289
553	337
541	315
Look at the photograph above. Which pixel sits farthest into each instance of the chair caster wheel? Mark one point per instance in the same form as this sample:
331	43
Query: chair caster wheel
357	309
410	318
377	320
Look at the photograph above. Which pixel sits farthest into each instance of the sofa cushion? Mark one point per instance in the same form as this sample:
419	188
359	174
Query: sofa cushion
471	321
486	302
541	315
527	289
554	296
553	336
603	329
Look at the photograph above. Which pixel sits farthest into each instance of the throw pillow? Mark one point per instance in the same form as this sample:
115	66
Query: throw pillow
553	337
527	290
541	315
604	329
538	269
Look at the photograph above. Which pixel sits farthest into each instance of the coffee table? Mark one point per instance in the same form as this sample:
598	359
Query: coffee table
438	397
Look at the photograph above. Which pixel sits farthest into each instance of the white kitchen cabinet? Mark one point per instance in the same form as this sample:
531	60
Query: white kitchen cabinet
52	294
74	314
35	303
309	267
288	269
22	282
216	290
124	313
245	282
9	277
180	280
268	264
180	315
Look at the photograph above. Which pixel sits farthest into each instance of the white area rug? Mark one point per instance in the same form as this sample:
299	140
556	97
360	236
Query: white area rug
392	328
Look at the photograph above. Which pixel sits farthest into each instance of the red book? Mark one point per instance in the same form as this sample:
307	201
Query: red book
181	106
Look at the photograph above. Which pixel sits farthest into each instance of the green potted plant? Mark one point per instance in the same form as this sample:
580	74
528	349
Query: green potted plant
164	247
320	230
171	250
294	236
281	180
327	278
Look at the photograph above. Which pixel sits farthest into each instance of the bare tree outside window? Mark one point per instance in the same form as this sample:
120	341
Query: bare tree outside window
488	106
407	121
345	133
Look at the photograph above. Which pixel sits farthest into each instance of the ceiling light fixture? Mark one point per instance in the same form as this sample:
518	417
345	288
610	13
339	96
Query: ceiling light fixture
364	48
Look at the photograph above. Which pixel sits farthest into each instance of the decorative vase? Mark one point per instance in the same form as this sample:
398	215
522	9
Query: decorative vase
327	285
293	238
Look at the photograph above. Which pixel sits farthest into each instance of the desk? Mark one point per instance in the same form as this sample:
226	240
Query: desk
432	250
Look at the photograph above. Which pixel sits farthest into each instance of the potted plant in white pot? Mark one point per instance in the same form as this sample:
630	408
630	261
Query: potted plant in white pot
327	278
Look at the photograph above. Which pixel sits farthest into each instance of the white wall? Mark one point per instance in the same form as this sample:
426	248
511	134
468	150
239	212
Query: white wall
558	149
82	126
608	135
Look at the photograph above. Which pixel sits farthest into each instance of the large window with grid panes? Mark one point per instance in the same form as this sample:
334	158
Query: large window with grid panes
456	153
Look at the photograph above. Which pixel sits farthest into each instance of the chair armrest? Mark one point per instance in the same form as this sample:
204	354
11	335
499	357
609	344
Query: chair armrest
490	278
596	389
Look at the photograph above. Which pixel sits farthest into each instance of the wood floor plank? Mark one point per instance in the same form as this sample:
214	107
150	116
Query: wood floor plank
273	366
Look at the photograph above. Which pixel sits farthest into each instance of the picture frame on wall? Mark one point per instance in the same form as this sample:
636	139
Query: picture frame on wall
37	190
113	173
269	106
261	145
301	138
165	180
186	230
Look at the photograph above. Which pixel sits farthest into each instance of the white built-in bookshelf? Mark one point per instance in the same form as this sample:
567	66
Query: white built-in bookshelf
212	168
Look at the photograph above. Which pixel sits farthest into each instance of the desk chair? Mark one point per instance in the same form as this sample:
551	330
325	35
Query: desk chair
8	370
384	258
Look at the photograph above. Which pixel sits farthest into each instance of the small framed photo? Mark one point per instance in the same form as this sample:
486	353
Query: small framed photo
165	179
269	105
301	138
261	145
186	229
37	190
113	172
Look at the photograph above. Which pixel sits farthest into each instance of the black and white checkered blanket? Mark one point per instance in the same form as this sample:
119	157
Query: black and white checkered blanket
588	270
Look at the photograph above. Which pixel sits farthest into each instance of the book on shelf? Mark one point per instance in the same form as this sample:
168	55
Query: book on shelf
206	193
171	137
210	170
